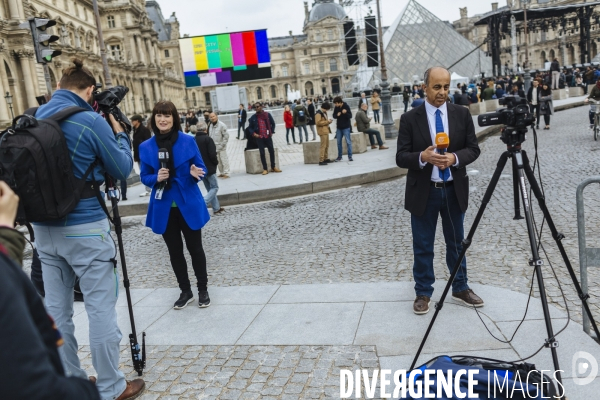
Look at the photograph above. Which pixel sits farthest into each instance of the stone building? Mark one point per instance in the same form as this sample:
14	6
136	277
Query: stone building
543	45
313	63
142	49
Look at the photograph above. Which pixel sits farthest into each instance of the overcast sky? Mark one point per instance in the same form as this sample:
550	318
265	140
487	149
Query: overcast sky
201	17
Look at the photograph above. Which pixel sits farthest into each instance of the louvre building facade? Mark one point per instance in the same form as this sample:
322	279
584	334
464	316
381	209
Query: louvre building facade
142	49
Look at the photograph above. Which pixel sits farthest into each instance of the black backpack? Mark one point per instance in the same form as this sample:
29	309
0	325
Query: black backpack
35	162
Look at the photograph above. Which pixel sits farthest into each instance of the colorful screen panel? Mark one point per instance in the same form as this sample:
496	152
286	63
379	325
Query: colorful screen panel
225	58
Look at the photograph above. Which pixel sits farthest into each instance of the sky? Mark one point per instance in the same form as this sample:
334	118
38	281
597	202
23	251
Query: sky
201	17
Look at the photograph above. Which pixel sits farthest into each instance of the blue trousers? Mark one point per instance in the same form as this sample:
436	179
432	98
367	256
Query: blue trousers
344	133
84	251
300	127
212	187
441	202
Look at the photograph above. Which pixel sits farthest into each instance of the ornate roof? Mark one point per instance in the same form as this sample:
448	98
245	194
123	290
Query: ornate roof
326	8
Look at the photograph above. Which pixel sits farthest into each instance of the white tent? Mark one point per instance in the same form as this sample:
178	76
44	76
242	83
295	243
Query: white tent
455	79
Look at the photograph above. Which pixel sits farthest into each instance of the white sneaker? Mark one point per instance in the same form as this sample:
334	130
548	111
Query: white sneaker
145	194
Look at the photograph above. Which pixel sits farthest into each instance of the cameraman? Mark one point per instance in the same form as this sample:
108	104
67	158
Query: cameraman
80	245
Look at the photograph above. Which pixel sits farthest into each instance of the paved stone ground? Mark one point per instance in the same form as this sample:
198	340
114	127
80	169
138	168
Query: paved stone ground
361	234
244	372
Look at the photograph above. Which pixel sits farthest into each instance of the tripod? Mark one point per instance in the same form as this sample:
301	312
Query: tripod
139	360
521	170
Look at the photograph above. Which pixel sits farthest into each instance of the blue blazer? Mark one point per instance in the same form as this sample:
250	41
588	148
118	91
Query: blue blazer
184	187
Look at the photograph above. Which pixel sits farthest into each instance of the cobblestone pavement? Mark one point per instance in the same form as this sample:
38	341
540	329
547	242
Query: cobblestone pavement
244	372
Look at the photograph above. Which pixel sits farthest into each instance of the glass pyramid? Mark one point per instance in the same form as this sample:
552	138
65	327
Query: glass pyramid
418	40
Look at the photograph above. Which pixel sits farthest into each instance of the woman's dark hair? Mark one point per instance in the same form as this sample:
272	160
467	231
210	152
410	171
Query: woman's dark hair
165	108
77	77
326	106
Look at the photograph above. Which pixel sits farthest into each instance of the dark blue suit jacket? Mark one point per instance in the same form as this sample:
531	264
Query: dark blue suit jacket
184	188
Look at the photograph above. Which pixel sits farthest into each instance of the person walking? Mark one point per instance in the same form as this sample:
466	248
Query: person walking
176	206
375	104
363	124
533	98
489	91
262	127
555	68
301	119
546	106
218	132
343	116
80	245
437	184
242	115
208	151
311	117
288	119
323	129
363	99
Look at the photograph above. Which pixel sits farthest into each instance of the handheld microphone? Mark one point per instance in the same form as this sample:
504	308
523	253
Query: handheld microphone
442	142
163	157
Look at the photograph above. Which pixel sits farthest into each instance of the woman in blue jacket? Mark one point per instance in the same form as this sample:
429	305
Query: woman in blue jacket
176	204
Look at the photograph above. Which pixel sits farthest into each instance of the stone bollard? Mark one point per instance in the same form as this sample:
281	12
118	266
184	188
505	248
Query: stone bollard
477	108
559	94
253	163
491	105
575	91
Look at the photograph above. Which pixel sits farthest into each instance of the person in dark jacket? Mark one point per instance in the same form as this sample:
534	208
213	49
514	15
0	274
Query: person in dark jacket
208	151
405	99
30	365
262	127
311	117
140	135
242	115
533	98
461	99
343	116
555	68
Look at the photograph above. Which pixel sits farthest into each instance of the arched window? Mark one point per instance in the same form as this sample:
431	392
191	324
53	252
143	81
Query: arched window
308	88
207	98
194	99
306	67
287	88
335	85
305	52
259	93
273	91
111	21
333	64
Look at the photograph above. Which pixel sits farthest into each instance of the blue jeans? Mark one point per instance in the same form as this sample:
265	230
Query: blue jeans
372	135
441	202
212	187
287	135
376	116
84	251
343	133
241	126
300	127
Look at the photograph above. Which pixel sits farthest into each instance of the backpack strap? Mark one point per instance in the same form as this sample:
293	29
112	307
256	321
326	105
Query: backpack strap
31	111
66	113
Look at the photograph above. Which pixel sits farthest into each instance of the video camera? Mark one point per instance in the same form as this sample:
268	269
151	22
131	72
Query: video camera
108	100
515	116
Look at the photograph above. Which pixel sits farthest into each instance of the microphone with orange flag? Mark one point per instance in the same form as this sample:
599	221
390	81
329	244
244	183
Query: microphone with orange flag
442	141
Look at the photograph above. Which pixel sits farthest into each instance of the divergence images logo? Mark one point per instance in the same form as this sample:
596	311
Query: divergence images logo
585	368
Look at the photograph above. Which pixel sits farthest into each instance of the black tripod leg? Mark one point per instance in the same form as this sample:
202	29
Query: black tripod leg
516	193
536	262
465	246
558	237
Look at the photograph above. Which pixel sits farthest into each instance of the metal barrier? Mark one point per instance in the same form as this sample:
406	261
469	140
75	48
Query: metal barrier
588	257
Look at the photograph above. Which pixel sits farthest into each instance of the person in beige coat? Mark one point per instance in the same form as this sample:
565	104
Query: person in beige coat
375	104
323	131
217	130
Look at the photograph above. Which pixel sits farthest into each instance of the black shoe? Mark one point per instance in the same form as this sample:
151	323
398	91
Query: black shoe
323	163
77	296
184	299
203	299
350	159
328	161
124	199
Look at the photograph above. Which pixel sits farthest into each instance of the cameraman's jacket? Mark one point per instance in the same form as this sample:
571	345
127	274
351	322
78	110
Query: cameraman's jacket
89	137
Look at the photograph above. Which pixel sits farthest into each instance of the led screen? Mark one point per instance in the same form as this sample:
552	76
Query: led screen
225	58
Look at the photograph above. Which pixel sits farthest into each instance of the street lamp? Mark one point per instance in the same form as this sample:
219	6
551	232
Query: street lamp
8	98
388	121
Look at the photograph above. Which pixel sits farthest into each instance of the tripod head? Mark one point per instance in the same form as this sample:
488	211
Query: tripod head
513	137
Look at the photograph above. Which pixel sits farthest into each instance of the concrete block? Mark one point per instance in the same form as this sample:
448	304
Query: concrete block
253	163
312	324
477	108
559	94
491	105
575	91
311	149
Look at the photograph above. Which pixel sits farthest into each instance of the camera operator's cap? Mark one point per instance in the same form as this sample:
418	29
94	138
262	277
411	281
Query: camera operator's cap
137	118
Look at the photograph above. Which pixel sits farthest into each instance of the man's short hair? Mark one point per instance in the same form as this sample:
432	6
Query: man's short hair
326	106
338	99
77	77
138	118
428	72
202	127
